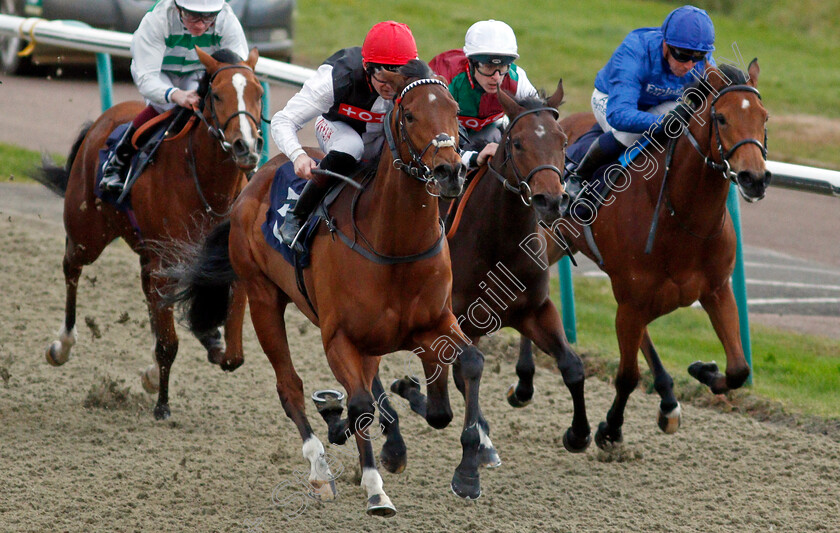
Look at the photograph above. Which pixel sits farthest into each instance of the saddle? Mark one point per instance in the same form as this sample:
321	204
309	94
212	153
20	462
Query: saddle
168	126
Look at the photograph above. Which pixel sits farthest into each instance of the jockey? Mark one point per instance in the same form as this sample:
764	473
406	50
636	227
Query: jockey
643	80
165	65
350	103
475	74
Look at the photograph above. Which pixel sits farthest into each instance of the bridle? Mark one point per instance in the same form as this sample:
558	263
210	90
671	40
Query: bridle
724	166
415	168
217	128
522	187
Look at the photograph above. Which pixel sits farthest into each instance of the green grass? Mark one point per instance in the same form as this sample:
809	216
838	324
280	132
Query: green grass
796	44
16	164
801	372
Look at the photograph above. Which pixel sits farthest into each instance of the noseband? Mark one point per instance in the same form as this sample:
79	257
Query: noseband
522	187
416	168
217	128
724	166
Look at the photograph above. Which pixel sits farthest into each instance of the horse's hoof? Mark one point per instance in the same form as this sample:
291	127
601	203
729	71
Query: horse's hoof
514	400
161	412
393	457
323	490
402	386
328	401
229	365
703	372
215	355
488	457
464	486
150	378
603	438
380	505
575	444
55	355
670	422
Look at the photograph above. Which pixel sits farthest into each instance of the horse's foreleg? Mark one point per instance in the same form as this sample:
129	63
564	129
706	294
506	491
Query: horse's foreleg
629	329
438	350
723	312
356	372
669	407
267	315
545	327
488	456
233	356
59	351
521	393
393	454
163	328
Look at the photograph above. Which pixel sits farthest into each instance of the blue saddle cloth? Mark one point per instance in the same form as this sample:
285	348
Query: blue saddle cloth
285	190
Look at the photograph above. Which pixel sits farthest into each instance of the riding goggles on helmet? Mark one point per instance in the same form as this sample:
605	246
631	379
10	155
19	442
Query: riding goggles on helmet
488	65
194	17
683	55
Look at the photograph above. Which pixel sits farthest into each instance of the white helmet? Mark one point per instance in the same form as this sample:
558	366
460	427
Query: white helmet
201	6
490	38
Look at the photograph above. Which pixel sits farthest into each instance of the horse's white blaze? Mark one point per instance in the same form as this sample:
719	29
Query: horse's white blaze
313	451
540	131
239	83
745	104
432	98
372	482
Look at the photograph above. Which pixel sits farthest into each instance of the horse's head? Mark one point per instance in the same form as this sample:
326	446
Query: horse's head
425	125
739	124
533	152
233	105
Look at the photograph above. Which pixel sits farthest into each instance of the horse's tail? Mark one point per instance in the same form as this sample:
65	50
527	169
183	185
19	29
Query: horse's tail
54	177
203	282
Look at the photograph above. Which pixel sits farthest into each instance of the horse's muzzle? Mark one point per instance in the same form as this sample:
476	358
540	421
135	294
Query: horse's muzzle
752	184
450	179
242	154
549	207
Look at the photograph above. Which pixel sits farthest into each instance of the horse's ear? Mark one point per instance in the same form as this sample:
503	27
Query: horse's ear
753	72
438	77
252	58
207	60
556	99
509	105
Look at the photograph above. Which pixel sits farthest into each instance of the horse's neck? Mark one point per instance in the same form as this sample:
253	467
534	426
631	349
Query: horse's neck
397	215
214	168
696	191
501	211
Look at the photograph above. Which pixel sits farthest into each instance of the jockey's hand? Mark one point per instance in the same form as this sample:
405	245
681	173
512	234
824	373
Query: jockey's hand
189	99
486	153
304	165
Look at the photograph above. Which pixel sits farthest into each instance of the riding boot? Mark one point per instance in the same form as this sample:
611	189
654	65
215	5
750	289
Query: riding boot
604	150
312	194
114	172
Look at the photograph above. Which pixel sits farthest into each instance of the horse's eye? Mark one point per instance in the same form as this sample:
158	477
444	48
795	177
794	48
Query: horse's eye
720	119
517	144
217	98
409	118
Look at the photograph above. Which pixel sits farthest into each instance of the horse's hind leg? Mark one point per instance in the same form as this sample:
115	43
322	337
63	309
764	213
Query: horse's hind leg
669	407
521	393
75	257
723	312
545	327
228	354
629	329
393	454
267	310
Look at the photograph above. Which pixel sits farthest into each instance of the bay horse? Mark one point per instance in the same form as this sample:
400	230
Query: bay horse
689	255
176	200
387	289
495	283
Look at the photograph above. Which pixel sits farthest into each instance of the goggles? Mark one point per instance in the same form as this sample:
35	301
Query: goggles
489	69
684	55
194	17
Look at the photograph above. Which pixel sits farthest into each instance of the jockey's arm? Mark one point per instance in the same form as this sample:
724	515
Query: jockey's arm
315	98
148	46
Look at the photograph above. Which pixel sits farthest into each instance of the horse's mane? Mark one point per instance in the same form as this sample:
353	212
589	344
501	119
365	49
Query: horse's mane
534	102
416	69
225	55
733	74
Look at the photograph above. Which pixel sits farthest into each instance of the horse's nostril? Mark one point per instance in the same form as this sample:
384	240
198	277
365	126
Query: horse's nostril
768	176
240	148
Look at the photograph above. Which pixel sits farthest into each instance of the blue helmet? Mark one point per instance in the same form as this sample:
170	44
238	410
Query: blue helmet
689	27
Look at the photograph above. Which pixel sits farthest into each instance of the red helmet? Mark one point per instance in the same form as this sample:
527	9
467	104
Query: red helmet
389	43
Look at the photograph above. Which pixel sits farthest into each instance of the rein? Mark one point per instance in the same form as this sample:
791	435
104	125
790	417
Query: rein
522	187
723	167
